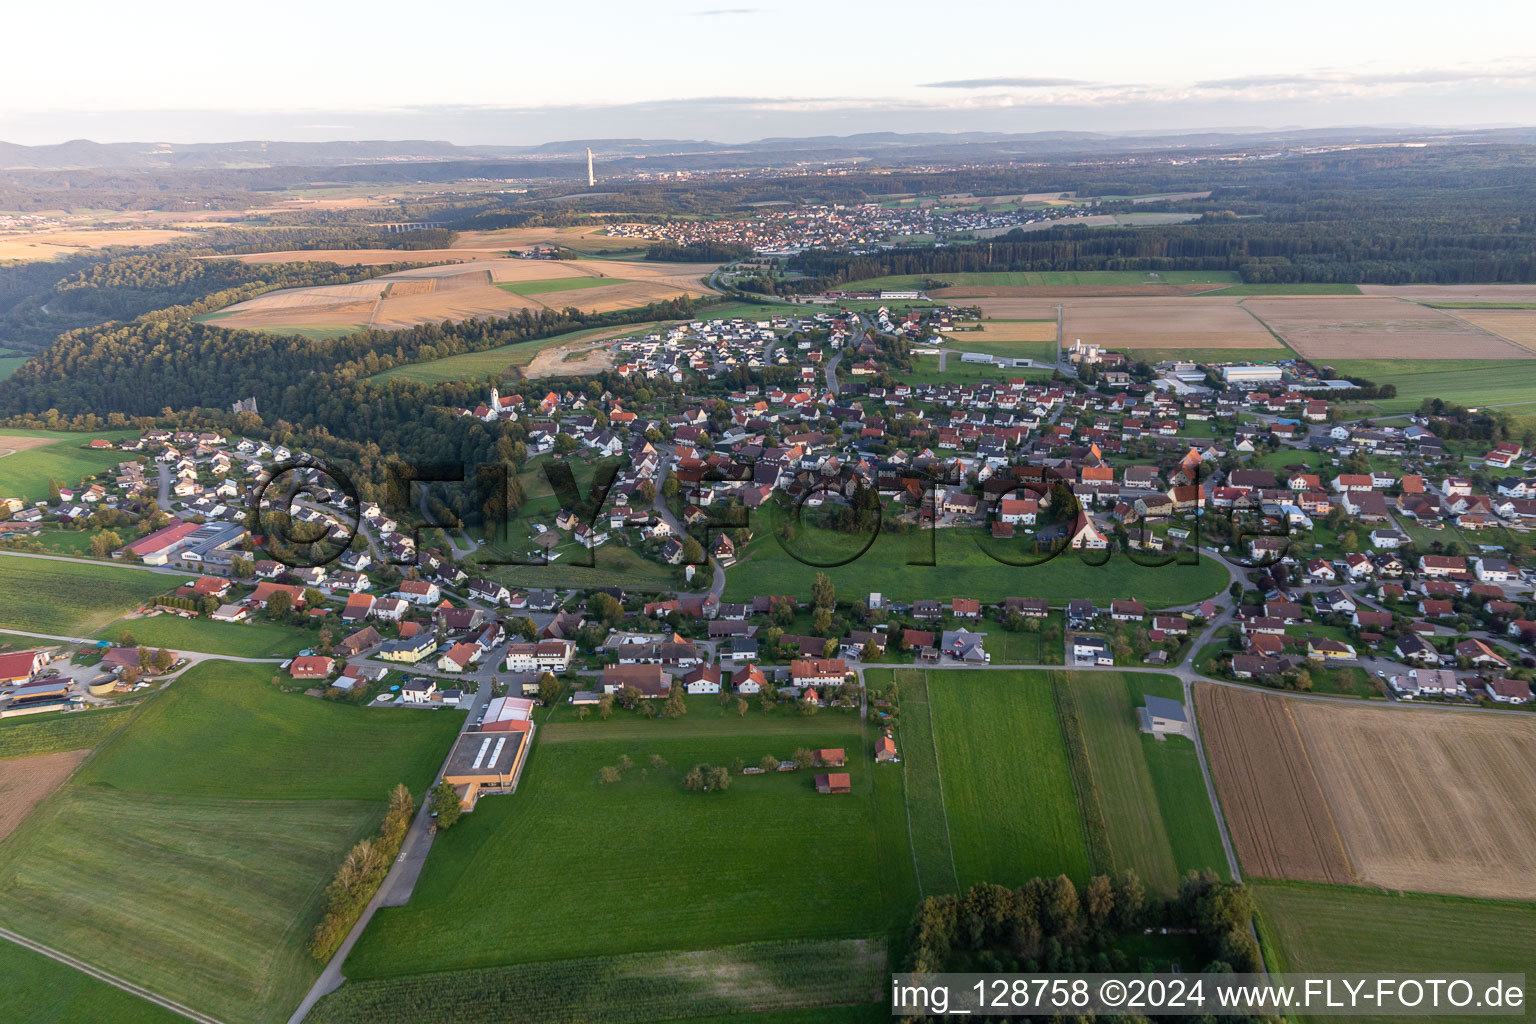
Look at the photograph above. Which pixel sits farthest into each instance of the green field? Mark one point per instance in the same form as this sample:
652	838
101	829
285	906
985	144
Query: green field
25	474
558	284
568	867
501	361
1469	382
933	856
257	639
1151	791
1288	289
51	733
962	569
1006	783
199	839
1306	927
71	598
35	989
633	987
925	368
1049	279
10	364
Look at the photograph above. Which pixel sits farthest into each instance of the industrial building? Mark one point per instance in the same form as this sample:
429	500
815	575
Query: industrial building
1250	375
488	761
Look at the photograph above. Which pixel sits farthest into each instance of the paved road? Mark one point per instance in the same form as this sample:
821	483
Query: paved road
664	513
397	886
165	570
110	979
163	497
1210	785
192	657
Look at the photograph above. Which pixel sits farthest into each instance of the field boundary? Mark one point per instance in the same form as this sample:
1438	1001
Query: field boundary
1090	809
1210	784
933	749
110	979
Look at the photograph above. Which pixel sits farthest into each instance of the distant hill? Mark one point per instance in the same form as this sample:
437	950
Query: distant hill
888	147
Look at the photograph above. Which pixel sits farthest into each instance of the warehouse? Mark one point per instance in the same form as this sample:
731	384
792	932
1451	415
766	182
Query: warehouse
488	761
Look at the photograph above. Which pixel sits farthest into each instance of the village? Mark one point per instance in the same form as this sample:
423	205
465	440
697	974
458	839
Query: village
1353	552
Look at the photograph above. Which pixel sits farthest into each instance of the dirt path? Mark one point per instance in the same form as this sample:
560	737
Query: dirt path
110	979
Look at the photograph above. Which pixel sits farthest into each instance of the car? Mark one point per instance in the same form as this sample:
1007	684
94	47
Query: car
1380	674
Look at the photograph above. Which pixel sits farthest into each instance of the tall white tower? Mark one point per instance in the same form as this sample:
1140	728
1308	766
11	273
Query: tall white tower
590	179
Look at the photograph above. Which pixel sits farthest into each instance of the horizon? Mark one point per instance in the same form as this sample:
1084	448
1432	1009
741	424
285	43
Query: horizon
754	72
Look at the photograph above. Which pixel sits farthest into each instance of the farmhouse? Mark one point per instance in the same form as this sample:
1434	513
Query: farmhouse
1509	691
311	667
649	680
818	671
20	666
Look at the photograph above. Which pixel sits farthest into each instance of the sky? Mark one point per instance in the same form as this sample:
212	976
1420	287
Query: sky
478	72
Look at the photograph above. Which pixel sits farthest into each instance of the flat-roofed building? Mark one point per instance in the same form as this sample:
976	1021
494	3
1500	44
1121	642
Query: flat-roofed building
488	761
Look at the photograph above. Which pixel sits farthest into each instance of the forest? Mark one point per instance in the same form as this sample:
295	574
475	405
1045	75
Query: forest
41	300
1056	925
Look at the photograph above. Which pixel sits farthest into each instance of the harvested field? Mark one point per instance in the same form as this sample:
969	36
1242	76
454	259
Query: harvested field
1455	292
459	292
622	295
45	245
403	288
24	781
512	271
1165	324
1274	805
1516	325
10	444
1009	330
366	257
1434	802
1377	327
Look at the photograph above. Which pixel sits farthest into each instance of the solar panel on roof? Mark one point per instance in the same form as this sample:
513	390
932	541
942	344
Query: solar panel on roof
497	754
485	745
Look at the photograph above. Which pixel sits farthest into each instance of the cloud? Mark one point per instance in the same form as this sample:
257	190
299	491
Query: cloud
1004	83
1368	79
727	11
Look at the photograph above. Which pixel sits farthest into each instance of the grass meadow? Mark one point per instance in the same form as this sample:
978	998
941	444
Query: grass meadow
1317	288
1152	794
961	568
25	474
643	865
71	598
1306	927
502	361
257	639
1006	782
199	838
558	284
933	855
51	733
35	989
1049	279
1469	382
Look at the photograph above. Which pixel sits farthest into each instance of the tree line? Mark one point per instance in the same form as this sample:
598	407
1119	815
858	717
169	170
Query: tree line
1056	925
